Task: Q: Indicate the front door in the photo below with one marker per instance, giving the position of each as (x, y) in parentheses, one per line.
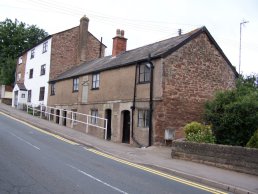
(57, 116)
(126, 127)
(64, 117)
(108, 117)
(15, 98)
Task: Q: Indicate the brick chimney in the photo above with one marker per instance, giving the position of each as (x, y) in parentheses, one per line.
(119, 43)
(83, 38)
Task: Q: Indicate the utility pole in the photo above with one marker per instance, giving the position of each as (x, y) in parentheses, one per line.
(241, 24)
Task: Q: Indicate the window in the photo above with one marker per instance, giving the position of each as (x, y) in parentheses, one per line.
(20, 60)
(75, 84)
(32, 53)
(144, 73)
(41, 93)
(22, 95)
(94, 114)
(52, 90)
(31, 74)
(143, 118)
(45, 44)
(95, 81)
(43, 69)
(29, 95)
(19, 76)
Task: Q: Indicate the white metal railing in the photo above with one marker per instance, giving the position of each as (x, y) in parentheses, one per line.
(75, 117)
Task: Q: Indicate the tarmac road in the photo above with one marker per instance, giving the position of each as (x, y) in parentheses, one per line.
(33, 161)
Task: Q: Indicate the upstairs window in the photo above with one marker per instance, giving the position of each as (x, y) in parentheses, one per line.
(94, 115)
(45, 44)
(143, 118)
(43, 69)
(41, 93)
(19, 76)
(95, 81)
(31, 74)
(144, 73)
(32, 53)
(20, 60)
(29, 95)
(75, 84)
(52, 90)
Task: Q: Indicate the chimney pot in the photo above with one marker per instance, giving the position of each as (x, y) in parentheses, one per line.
(118, 32)
(122, 33)
(119, 43)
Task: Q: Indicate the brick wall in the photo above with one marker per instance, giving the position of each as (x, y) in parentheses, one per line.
(191, 76)
(21, 68)
(65, 50)
(230, 157)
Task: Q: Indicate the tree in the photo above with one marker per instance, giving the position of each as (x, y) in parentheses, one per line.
(15, 37)
(233, 114)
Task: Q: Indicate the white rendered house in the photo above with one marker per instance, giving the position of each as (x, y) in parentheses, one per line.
(34, 89)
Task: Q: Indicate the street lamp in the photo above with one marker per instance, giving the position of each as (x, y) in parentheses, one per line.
(241, 24)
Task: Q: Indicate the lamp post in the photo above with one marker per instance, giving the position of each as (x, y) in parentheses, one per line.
(241, 24)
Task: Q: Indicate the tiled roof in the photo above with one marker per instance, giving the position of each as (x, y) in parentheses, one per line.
(155, 50)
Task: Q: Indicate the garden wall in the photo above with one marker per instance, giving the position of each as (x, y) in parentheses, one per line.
(230, 157)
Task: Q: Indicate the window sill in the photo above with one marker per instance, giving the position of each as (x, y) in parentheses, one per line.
(75, 91)
(94, 88)
(146, 82)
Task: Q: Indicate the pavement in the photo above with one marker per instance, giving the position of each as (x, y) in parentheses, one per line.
(158, 157)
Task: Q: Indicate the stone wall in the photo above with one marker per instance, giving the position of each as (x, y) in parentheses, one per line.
(20, 68)
(229, 157)
(191, 76)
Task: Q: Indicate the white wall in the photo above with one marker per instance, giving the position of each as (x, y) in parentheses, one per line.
(38, 80)
(20, 100)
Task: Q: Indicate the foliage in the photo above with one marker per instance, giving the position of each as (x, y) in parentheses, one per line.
(197, 132)
(253, 142)
(233, 114)
(15, 37)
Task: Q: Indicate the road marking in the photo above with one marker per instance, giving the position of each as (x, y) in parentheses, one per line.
(174, 178)
(41, 130)
(96, 179)
(24, 140)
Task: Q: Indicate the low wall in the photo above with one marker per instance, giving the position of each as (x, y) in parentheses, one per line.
(230, 157)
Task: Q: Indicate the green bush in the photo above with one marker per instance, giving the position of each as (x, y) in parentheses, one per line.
(253, 142)
(197, 132)
(233, 114)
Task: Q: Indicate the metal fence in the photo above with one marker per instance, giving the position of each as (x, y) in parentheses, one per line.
(62, 115)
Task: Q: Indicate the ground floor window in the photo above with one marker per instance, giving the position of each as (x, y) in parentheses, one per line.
(41, 93)
(29, 95)
(143, 118)
(94, 114)
(74, 116)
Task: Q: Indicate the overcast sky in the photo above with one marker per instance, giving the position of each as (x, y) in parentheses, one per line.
(149, 21)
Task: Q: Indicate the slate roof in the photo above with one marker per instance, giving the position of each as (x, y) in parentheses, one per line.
(155, 50)
(21, 86)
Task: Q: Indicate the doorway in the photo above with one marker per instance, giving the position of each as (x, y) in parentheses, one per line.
(108, 116)
(57, 116)
(64, 117)
(126, 126)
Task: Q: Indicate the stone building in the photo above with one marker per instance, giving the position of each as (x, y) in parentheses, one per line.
(49, 58)
(148, 92)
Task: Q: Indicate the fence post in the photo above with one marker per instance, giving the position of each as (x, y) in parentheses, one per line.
(27, 108)
(105, 128)
(49, 113)
(32, 110)
(87, 123)
(72, 118)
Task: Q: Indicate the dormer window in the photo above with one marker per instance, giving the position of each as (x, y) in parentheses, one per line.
(45, 44)
(32, 53)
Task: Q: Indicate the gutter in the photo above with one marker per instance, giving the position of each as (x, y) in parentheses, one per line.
(151, 100)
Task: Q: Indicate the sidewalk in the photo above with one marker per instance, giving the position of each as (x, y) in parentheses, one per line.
(154, 156)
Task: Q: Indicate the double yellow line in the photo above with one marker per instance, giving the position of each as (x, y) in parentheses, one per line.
(180, 180)
(196, 185)
(40, 130)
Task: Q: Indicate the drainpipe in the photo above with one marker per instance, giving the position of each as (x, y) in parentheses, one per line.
(151, 100)
(133, 108)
